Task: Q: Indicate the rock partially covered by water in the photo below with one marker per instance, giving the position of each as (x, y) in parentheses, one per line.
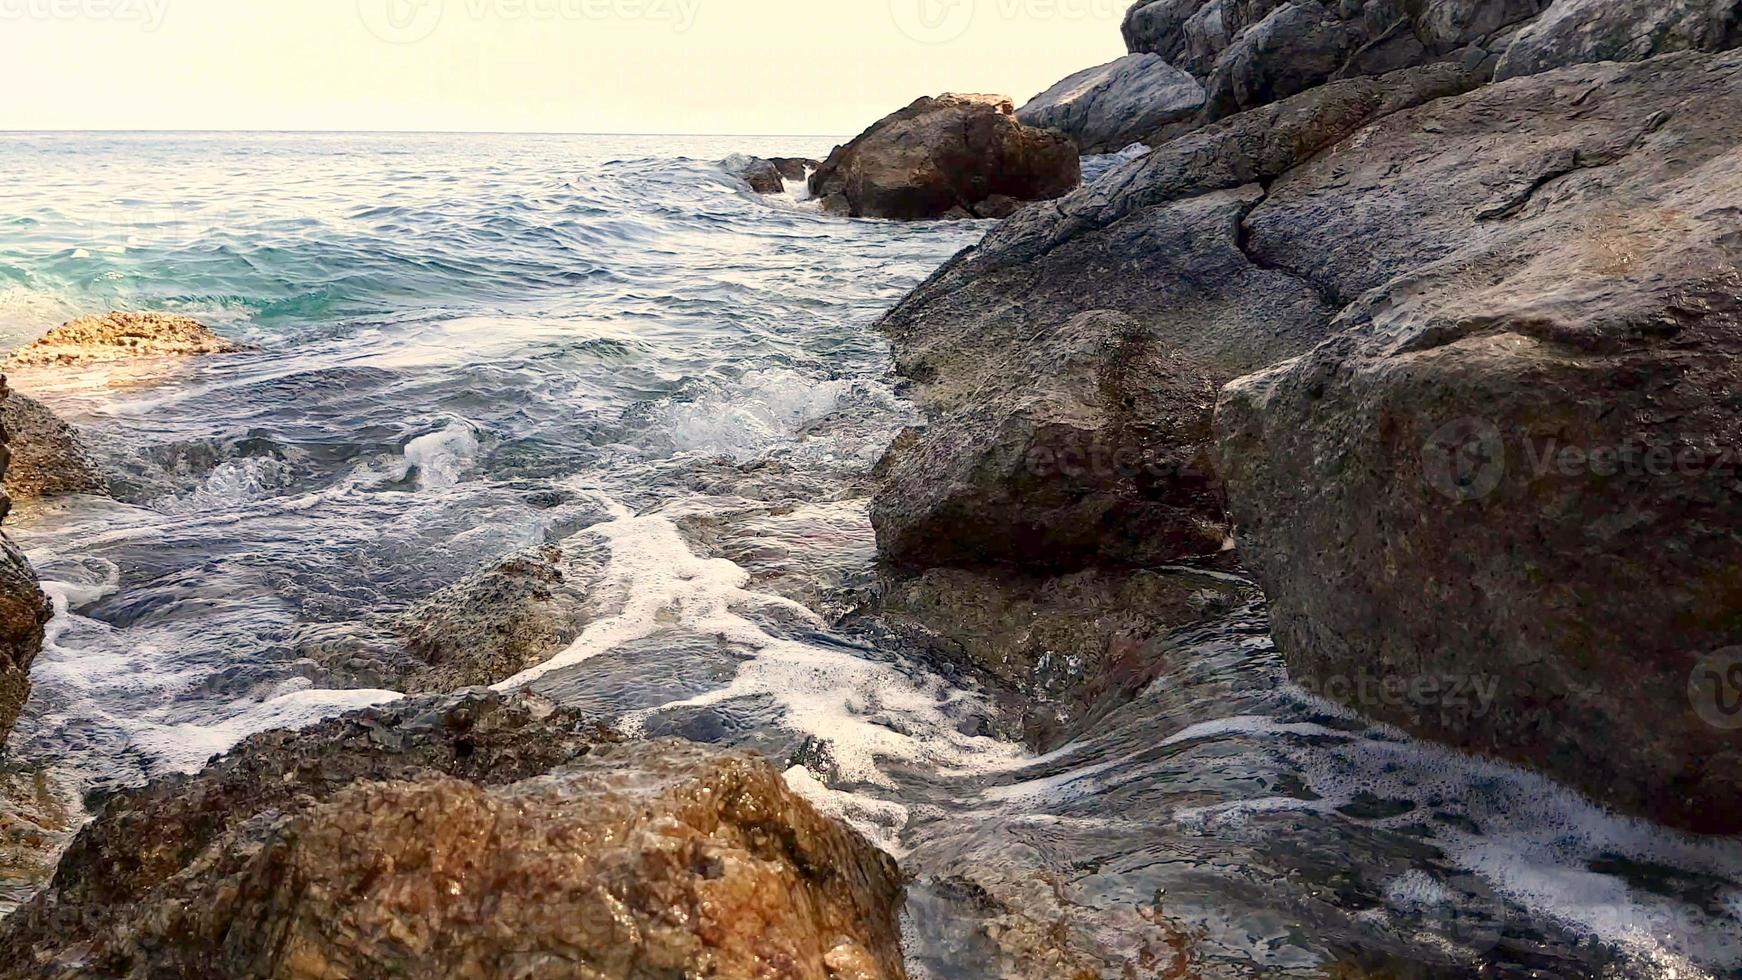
(762, 175)
(1090, 443)
(24, 610)
(960, 156)
(795, 168)
(1574, 32)
(477, 837)
(123, 335)
(49, 456)
(1063, 651)
(1515, 464)
(1109, 107)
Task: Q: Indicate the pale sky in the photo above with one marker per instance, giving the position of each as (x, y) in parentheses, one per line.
(823, 67)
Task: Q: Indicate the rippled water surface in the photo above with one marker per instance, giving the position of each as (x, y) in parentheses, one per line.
(468, 346)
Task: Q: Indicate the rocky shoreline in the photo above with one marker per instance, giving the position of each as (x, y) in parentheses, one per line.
(1369, 334)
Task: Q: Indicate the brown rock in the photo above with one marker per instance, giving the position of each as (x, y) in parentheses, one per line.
(24, 610)
(954, 152)
(1510, 465)
(49, 456)
(478, 837)
(123, 335)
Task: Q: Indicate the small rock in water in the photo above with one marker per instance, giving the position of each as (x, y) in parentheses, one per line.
(122, 335)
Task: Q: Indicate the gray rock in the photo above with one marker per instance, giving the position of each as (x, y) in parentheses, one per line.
(795, 168)
(955, 156)
(1574, 32)
(1509, 464)
(476, 837)
(49, 457)
(1107, 108)
(762, 175)
(1249, 53)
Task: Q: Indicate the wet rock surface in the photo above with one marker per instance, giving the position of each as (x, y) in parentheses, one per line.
(24, 610)
(1519, 424)
(954, 156)
(49, 456)
(473, 836)
(123, 335)
(481, 631)
(1064, 651)
(762, 175)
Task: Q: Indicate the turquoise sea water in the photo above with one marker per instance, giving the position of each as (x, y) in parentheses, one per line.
(468, 346)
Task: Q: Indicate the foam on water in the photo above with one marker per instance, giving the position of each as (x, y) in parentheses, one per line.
(188, 747)
(442, 458)
(760, 410)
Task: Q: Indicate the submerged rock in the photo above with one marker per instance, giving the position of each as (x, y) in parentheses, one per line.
(960, 156)
(481, 631)
(122, 335)
(1109, 107)
(49, 456)
(24, 610)
(1512, 463)
(1064, 650)
(482, 836)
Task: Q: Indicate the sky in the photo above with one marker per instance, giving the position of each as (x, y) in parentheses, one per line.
(822, 67)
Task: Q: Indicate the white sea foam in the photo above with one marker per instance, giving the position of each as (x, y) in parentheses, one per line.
(864, 711)
(232, 483)
(441, 458)
(760, 410)
(188, 747)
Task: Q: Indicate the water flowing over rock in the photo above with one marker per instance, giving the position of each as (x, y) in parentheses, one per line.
(49, 457)
(481, 631)
(124, 335)
(24, 610)
(958, 156)
(1510, 462)
(1109, 107)
(481, 836)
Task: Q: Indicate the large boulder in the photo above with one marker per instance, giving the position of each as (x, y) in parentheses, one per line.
(1094, 447)
(49, 456)
(1109, 107)
(1574, 32)
(482, 836)
(1060, 439)
(121, 336)
(762, 175)
(959, 156)
(1515, 461)
(24, 610)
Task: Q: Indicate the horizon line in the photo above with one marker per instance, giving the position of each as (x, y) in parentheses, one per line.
(411, 132)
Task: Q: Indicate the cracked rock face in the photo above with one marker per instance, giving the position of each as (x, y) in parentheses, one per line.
(955, 156)
(1109, 107)
(1521, 427)
(481, 836)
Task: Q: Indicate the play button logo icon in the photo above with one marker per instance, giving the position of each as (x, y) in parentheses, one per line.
(933, 21)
